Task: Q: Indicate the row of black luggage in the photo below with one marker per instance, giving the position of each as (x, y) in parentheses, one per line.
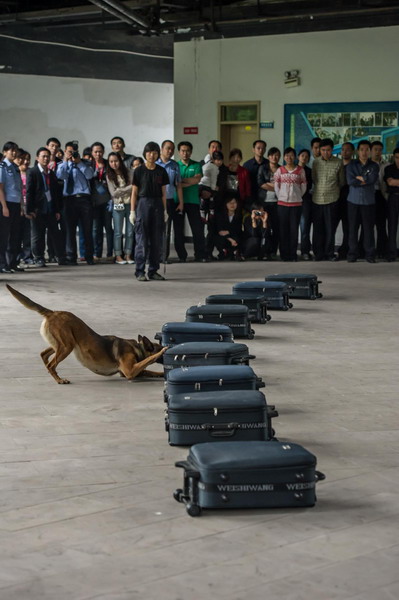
(213, 396)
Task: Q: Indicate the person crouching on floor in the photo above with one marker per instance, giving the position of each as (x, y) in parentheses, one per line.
(148, 212)
(228, 228)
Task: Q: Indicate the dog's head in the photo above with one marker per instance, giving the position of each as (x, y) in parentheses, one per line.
(150, 347)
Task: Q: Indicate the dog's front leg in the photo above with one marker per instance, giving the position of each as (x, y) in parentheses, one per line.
(132, 372)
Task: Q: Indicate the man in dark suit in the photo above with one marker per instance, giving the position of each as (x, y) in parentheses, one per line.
(43, 207)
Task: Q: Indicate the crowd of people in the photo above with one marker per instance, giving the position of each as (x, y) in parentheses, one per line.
(255, 210)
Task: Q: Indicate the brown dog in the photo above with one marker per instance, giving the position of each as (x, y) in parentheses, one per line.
(102, 354)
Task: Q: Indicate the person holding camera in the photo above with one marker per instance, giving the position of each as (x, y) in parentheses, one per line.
(257, 234)
(78, 206)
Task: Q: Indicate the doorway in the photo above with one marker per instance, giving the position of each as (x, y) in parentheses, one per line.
(238, 126)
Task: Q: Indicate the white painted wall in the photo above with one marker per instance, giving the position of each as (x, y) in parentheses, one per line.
(336, 66)
(34, 108)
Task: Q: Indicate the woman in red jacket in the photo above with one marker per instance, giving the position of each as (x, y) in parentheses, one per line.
(237, 178)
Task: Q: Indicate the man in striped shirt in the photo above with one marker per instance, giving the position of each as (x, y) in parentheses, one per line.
(328, 177)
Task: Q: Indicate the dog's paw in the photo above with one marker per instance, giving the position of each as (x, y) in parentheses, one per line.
(62, 381)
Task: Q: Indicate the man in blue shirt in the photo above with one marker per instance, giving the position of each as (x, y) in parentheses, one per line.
(253, 164)
(78, 207)
(175, 211)
(11, 209)
(361, 175)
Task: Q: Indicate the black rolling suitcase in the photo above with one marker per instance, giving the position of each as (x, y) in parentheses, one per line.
(211, 379)
(241, 415)
(257, 305)
(178, 333)
(203, 354)
(276, 293)
(303, 285)
(234, 316)
(248, 475)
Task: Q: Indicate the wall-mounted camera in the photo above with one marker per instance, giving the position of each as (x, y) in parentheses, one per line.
(291, 78)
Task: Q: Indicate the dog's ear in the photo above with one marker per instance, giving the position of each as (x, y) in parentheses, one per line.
(148, 345)
(140, 338)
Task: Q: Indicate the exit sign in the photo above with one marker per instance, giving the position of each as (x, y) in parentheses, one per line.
(190, 130)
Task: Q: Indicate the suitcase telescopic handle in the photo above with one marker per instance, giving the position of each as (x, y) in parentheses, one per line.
(221, 429)
(184, 464)
(319, 476)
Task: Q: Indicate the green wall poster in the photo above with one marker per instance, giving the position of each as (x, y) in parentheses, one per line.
(342, 122)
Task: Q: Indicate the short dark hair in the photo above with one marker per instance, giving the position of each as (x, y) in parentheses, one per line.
(10, 146)
(53, 139)
(69, 144)
(326, 142)
(117, 137)
(273, 150)
(396, 151)
(314, 141)
(42, 149)
(21, 152)
(234, 151)
(141, 161)
(349, 144)
(189, 144)
(259, 142)
(97, 144)
(377, 143)
(304, 150)
(363, 143)
(86, 151)
(288, 150)
(151, 147)
(215, 142)
(166, 142)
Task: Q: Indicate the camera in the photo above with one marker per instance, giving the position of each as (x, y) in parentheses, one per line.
(258, 213)
(75, 147)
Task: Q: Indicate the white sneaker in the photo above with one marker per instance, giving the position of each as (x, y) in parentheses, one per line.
(120, 262)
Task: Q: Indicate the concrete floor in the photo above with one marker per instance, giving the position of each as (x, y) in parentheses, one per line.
(87, 476)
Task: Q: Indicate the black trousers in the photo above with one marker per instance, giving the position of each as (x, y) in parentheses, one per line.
(78, 208)
(393, 216)
(175, 219)
(305, 224)
(364, 216)
(39, 226)
(273, 224)
(24, 244)
(381, 217)
(62, 231)
(289, 217)
(10, 236)
(149, 229)
(102, 220)
(342, 215)
(324, 220)
(197, 227)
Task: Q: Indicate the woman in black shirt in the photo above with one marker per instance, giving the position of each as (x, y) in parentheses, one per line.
(148, 212)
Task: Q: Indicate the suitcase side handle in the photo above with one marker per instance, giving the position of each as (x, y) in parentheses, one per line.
(221, 429)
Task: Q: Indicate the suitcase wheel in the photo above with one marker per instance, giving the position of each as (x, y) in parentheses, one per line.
(290, 305)
(319, 295)
(263, 321)
(268, 318)
(193, 509)
(313, 297)
(178, 495)
(287, 307)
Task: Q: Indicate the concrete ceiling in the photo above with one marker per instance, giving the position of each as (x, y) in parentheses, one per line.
(185, 19)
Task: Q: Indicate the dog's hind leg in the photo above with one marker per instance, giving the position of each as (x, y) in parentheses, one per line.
(45, 355)
(61, 352)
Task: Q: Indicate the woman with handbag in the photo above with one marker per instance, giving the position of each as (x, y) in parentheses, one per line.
(119, 180)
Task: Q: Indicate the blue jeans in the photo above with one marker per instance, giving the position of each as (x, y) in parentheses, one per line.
(119, 217)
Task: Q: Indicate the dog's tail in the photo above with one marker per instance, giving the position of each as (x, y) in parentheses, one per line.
(28, 303)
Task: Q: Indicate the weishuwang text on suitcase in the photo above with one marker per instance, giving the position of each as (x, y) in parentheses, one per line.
(257, 305)
(235, 316)
(276, 293)
(303, 285)
(179, 332)
(197, 354)
(258, 474)
(241, 415)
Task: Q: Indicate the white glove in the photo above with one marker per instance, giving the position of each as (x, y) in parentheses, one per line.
(165, 216)
(132, 217)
